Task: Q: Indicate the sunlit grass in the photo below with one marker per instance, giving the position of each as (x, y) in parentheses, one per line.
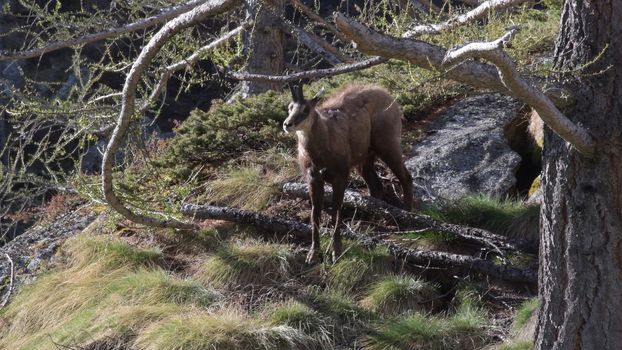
(464, 329)
(397, 294)
(507, 217)
(248, 263)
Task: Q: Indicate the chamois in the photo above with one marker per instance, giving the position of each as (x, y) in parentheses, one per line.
(349, 129)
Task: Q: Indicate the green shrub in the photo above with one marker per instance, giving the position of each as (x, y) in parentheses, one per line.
(226, 131)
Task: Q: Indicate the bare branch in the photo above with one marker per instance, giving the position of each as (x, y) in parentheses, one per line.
(5, 300)
(132, 27)
(430, 57)
(312, 74)
(479, 12)
(188, 62)
(317, 44)
(318, 19)
(556, 120)
(194, 16)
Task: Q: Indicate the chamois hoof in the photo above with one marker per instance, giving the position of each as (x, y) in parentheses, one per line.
(313, 257)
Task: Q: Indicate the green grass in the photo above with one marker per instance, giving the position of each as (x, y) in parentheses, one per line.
(302, 317)
(358, 267)
(201, 330)
(107, 289)
(517, 345)
(465, 329)
(248, 263)
(524, 312)
(396, 294)
(506, 217)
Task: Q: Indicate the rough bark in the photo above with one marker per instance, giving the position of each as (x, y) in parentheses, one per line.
(300, 230)
(580, 282)
(408, 221)
(264, 45)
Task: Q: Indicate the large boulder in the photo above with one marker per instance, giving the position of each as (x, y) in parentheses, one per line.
(466, 151)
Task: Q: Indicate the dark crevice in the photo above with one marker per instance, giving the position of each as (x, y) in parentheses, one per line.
(522, 142)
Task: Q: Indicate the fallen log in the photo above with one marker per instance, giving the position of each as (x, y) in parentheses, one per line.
(421, 258)
(406, 220)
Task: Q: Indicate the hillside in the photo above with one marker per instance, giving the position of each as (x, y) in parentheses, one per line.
(83, 277)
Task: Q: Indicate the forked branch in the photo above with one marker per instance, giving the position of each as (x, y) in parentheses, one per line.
(519, 87)
(149, 51)
(188, 62)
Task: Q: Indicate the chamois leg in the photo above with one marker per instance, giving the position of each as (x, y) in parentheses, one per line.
(371, 178)
(395, 163)
(316, 185)
(339, 188)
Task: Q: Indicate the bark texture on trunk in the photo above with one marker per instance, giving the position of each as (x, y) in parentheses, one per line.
(580, 283)
(264, 44)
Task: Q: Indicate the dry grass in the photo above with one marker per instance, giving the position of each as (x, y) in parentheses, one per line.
(396, 294)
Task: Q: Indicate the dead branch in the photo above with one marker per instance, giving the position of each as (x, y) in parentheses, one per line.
(477, 13)
(317, 44)
(5, 299)
(407, 220)
(425, 258)
(187, 63)
(319, 20)
(164, 16)
(149, 51)
(519, 87)
(311, 74)
(279, 226)
(430, 57)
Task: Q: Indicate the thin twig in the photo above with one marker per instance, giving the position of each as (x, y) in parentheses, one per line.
(132, 27)
(311, 74)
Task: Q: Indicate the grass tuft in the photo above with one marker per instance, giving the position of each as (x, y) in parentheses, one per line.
(524, 313)
(396, 294)
(248, 263)
(112, 252)
(517, 345)
(506, 217)
(300, 316)
(113, 292)
(201, 330)
(358, 267)
(465, 329)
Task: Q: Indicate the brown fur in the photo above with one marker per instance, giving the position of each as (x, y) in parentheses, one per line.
(349, 129)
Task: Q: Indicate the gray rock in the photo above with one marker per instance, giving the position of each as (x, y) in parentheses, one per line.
(466, 151)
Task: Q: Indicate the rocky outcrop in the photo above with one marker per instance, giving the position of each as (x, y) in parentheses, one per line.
(33, 249)
(466, 151)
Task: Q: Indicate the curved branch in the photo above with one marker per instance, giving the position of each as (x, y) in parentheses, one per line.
(311, 74)
(430, 57)
(556, 120)
(479, 12)
(132, 27)
(188, 62)
(145, 57)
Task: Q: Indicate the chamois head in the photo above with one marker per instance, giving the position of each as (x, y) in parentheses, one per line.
(300, 110)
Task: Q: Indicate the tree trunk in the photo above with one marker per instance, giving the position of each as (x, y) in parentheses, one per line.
(264, 45)
(580, 281)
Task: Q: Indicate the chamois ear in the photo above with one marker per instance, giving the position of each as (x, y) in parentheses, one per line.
(318, 96)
